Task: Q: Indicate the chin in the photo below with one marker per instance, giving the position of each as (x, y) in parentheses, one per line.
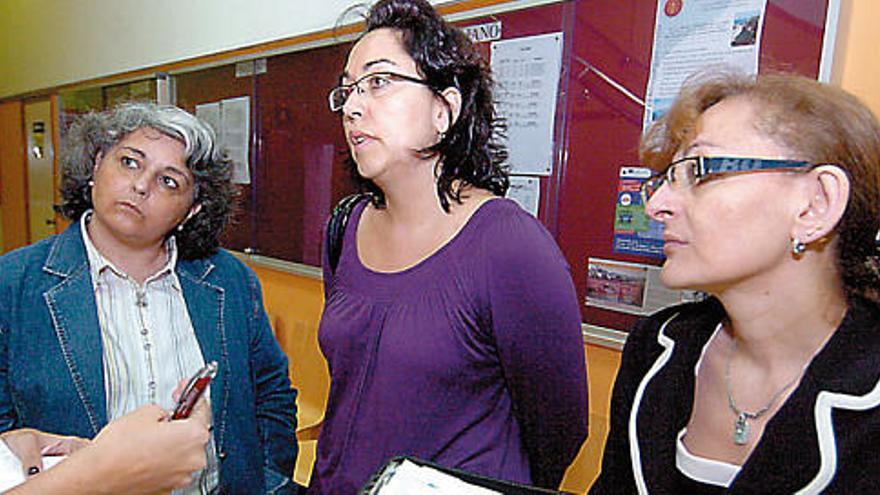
(366, 169)
(675, 279)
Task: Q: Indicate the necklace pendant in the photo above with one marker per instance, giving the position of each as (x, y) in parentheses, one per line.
(741, 430)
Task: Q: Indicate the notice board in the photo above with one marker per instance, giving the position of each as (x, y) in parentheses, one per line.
(297, 146)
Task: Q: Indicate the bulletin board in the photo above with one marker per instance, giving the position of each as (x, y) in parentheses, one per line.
(298, 147)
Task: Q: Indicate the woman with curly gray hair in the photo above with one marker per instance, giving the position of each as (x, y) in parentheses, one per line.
(99, 132)
(135, 296)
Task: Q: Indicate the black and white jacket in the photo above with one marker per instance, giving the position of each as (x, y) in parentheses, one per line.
(825, 438)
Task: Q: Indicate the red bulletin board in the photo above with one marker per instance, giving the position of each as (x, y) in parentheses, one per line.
(598, 128)
(298, 147)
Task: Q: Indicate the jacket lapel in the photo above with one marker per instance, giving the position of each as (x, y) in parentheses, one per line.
(205, 302)
(75, 320)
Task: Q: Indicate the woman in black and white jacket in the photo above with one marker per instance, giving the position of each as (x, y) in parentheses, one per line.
(771, 205)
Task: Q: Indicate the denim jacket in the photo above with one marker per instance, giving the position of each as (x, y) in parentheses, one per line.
(51, 367)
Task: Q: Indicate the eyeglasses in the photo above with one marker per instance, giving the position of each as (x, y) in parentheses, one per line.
(376, 83)
(687, 171)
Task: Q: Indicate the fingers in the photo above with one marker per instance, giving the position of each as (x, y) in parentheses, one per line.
(202, 413)
(140, 453)
(189, 437)
(61, 445)
(179, 389)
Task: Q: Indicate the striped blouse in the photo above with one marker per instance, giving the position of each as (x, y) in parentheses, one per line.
(149, 344)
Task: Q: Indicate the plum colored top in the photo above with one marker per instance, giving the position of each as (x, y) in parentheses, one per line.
(473, 358)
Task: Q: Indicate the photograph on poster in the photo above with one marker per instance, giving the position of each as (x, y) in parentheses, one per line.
(616, 285)
(745, 29)
(632, 288)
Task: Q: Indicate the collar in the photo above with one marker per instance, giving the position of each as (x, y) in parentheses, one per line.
(99, 264)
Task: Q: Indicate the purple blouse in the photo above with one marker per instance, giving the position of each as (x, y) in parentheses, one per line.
(472, 358)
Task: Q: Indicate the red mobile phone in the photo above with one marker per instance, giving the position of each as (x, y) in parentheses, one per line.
(194, 390)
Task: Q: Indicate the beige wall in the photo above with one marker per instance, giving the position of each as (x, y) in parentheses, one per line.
(63, 41)
(856, 60)
(85, 39)
(58, 42)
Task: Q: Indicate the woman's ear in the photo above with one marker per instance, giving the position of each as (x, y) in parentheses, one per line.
(827, 191)
(193, 211)
(98, 157)
(447, 114)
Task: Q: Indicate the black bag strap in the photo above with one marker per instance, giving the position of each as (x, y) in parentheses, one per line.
(336, 227)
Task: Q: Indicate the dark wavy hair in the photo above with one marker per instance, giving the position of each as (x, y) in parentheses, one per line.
(818, 122)
(470, 152)
(99, 132)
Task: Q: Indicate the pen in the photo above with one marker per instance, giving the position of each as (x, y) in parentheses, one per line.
(194, 390)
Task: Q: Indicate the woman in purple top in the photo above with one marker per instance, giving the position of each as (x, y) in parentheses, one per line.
(451, 325)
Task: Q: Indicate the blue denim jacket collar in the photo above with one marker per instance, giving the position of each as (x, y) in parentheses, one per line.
(69, 307)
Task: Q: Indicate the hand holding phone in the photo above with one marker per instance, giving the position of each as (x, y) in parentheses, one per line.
(194, 390)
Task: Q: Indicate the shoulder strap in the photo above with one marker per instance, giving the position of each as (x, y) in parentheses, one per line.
(335, 232)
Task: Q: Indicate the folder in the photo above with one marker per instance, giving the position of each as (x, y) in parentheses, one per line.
(407, 475)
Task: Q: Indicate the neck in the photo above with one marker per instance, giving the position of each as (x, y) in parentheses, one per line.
(411, 198)
(787, 324)
(137, 261)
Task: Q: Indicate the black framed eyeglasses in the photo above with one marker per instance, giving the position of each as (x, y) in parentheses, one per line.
(686, 172)
(372, 85)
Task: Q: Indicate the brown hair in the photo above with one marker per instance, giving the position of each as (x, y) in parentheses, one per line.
(820, 124)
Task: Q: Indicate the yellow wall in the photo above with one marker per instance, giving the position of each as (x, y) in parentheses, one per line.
(602, 365)
(13, 179)
(856, 65)
(294, 306)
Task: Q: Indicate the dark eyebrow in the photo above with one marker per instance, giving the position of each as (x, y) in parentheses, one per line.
(167, 168)
(170, 169)
(367, 66)
(379, 61)
(135, 151)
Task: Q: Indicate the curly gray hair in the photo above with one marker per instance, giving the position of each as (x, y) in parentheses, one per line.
(98, 132)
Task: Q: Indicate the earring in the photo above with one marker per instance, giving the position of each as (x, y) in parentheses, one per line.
(91, 183)
(797, 247)
(180, 227)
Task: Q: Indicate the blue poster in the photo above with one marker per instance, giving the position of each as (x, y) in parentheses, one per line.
(635, 232)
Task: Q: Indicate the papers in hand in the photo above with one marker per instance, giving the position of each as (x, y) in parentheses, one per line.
(11, 472)
(408, 478)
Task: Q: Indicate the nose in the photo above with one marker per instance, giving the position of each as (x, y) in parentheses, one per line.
(141, 184)
(660, 206)
(354, 105)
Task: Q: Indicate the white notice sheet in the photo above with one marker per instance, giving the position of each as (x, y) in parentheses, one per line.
(526, 72)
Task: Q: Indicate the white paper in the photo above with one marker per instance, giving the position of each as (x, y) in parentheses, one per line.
(230, 120)
(11, 472)
(210, 113)
(409, 479)
(526, 72)
(695, 34)
(526, 191)
(235, 117)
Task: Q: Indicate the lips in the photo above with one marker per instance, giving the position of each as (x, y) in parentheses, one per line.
(671, 241)
(359, 138)
(130, 207)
